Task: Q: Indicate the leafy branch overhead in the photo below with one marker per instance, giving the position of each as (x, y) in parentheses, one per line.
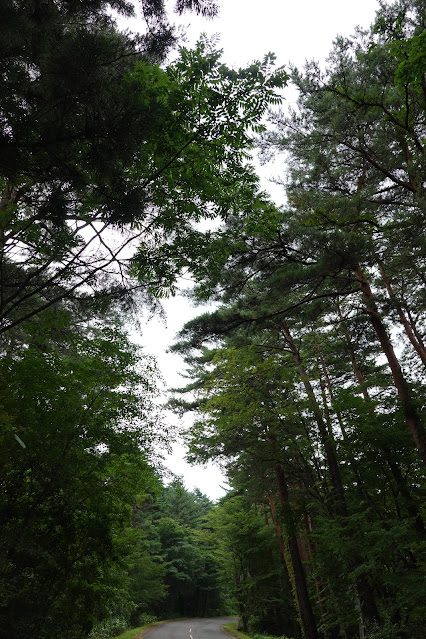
(118, 142)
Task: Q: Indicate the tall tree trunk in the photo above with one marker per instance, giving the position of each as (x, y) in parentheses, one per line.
(278, 530)
(364, 590)
(418, 335)
(307, 618)
(326, 438)
(368, 603)
(401, 483)
(277, 607)
(357, 371)
(407, 404)
(322, 366)
(410, 330)
(353, 464)
(311, 562)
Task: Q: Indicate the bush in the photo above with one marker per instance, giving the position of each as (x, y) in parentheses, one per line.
(108, 628)
(144, 619)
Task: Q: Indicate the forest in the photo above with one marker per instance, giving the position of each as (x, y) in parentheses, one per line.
(124, 167)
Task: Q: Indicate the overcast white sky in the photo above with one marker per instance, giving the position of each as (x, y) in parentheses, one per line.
(295, 31)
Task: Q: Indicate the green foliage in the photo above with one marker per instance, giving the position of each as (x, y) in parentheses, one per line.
(295, 379)
(108, 628)
(186, 508)
(172, 524)
(146, 619)
(218, 108)
(115, 142)
(250, 567)
(81, 402)
(110, 160)
(131, 634)
(80, 517)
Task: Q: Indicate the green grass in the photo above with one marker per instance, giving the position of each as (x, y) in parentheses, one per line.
(232, 629)
(130, 634)
(134, 632)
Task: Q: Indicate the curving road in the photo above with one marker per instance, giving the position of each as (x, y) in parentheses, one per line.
(191, 629)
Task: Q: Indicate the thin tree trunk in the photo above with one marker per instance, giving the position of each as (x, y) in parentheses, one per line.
(407, 404)
(403, 489)
(418, 335)
(325, 405)
(326, 438)
(310, 561)
(400, 481)
(279, 534)
(308, 622)
(419, 273)
(363, 587)
(418, 347)
(329, 387)
(357, 371)
(353, 463)
(361, 629)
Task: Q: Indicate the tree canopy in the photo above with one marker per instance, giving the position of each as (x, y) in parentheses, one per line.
(109, 158)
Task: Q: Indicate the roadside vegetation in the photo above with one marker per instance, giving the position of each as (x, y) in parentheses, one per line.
(232, 628)
(135, 633)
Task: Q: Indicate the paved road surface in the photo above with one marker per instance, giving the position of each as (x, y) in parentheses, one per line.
(191, 629)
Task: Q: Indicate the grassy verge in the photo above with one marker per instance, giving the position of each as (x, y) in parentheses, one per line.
(138, 633)
(231, 629)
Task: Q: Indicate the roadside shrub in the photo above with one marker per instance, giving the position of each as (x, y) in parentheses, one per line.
(144, 619)
(108, 628)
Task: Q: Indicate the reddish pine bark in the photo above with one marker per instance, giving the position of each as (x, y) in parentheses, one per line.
(326, 438)
(304, 603)
(400, 480)
(407, 404)
(409, 330)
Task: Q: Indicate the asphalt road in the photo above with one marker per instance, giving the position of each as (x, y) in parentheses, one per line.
(191, 629)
